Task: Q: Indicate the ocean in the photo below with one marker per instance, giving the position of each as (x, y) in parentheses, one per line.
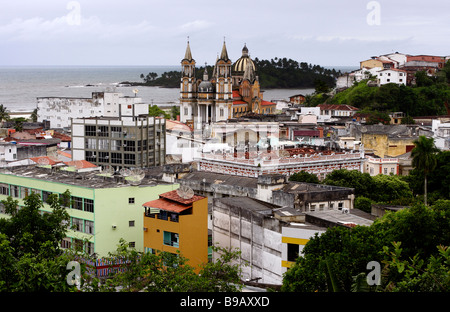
(21, 85)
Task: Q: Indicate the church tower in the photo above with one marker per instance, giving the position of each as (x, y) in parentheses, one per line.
(188, 87)
(223, 81)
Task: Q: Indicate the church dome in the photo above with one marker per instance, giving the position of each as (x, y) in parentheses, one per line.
(241, 64)
(205, 85)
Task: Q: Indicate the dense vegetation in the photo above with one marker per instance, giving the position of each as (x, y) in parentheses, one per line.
(408, 245)
(32, 261)
(411, 245)
(288, 73)
(429, 96)
(274, 73)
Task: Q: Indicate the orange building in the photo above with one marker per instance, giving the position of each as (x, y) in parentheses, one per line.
(178, 221)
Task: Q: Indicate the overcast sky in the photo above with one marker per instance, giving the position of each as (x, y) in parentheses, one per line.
(154, 32)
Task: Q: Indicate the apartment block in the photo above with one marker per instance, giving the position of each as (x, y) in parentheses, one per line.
(59, 111)
(120, 142)
(104, 208)
(178, 223)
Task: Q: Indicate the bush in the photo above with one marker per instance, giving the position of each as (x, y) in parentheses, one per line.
(363, 203)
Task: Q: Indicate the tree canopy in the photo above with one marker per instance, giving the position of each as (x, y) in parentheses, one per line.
(343, 253)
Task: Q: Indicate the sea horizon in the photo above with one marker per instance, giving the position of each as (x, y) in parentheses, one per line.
(20, 85)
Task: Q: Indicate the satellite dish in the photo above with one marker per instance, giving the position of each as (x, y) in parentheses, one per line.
(125, 172)
(185, 192)
(43, 161)
(135, 176)
(78, 164)
(107, 171)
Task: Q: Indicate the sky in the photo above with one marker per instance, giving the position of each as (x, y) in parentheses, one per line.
(155, 32)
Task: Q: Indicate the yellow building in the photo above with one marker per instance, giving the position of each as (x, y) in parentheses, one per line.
(178, 223)
(372, 63)
(384, 145)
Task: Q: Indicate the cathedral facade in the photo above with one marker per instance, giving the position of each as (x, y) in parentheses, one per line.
(232, 90)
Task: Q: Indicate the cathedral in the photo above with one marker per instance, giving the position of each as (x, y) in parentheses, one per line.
(231, 90)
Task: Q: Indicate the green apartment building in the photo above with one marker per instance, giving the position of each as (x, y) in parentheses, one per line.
(104, 208)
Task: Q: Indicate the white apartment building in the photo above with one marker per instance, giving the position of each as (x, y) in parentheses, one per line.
(391, 75)
(61, 110)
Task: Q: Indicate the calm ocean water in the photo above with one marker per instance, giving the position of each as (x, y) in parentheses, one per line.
(21, 85)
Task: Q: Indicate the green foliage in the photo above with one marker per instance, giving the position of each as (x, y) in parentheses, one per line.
(421, 100)
(339, 256)
(29, 246)
(167, 272)
(424, 158)
(363, 203)
(361, 182)
(155, 111)
(346, 250)
(304, 176)
(417, 274)
(4, 113)
(288, 73)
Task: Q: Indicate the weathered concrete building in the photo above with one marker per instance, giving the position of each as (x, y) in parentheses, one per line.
(271, 237)
(251, 226)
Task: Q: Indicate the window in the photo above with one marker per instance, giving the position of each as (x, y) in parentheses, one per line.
(89, 130)
(171, 239)
(88, 227)
(77, 203)
(293, 251)
(4, 189)
(45, 196)
(66, 243)
(131, 200)
(116, 158)
(15, 191)
(88, 205)
(77, 224)
(186, 111)
(89, 248)
(129, 159)
(131, 223)
(132, 244)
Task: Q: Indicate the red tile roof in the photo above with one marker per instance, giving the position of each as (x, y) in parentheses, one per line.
(173, 196)
(267, 103)
(239, 102)
(166, 205)
(45, 160)
(80, 164)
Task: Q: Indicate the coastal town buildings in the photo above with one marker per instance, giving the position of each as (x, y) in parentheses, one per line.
(59, 111)
(177, 222)
(395, 67)
(103, 209)
(231, 90)
(120, 142)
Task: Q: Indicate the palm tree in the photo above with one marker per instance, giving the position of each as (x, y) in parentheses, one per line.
(424, 158)
(4, 114)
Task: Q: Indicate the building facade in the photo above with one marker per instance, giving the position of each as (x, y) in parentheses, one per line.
(103, 209)
(60, 110)
(120, 143)
(174, 223)
(231, 90)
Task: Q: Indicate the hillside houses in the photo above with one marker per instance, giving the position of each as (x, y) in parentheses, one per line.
(396, 68)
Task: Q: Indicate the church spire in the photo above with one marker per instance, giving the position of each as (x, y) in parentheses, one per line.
(224, 54)
(188, 54)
